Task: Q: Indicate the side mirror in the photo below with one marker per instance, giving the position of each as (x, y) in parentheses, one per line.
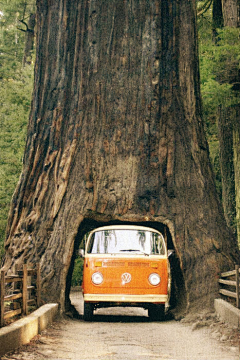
(81, 253)
(170, 252)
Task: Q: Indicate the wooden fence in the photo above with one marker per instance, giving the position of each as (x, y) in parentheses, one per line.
(232, 282)
(19, 292)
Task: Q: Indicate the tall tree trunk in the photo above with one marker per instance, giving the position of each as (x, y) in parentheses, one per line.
(115, 134)
(236, 160)
(225, 135)
(217, 14)
(217, 19)
(29, 40)
(228, 128)
(231, 13)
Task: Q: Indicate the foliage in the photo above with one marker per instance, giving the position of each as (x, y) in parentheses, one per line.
(15, 95)
(12, 35)
(219, 68)
(15, 98)
(77, 272)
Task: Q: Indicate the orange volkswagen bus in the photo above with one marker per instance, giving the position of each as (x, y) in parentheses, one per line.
(125, 265)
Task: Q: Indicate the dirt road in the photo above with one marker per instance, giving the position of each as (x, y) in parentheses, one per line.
(114, 335)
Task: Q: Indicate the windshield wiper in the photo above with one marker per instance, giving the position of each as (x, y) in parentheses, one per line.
(134, 250)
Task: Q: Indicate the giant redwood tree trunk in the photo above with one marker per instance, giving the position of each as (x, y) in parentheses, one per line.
(115, 135)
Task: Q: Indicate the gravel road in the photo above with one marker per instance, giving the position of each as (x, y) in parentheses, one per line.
(126, 334)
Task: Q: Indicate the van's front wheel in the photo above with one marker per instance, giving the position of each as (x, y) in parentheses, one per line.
(156, 312)
(88, 312)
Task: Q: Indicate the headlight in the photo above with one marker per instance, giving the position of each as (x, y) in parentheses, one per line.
(154, 279)
(97, 278)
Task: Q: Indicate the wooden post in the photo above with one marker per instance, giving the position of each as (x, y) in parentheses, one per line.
(2, 294)
(237, 286)
(38, 286)
(24, 290)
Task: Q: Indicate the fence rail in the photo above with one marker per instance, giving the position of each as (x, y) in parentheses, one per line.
(18, 292)
(232, 284)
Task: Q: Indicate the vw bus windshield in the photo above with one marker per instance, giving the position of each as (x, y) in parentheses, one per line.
(120, 241)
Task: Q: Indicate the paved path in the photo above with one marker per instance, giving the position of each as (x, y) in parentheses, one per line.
(114, 335)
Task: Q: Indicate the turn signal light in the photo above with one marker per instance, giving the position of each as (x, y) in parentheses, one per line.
(98, 264)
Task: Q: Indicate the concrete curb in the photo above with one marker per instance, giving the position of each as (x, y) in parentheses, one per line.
(22, 331)
(227, 312)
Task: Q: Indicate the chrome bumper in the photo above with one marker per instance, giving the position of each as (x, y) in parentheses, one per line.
(125, 298)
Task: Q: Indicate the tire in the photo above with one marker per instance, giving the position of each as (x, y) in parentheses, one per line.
(156, 312)
(88, 312)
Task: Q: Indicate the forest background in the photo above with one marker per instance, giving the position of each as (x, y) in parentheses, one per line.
(219, 58)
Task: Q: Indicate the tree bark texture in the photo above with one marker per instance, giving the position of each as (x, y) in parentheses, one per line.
(115, 135)
(236, 161)
(29, 40)
(227, 117)
(217, 15)
(231, 13)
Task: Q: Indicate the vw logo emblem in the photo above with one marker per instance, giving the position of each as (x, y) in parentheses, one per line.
(126, 278)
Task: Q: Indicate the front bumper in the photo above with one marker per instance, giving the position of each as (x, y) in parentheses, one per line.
(122, 298)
